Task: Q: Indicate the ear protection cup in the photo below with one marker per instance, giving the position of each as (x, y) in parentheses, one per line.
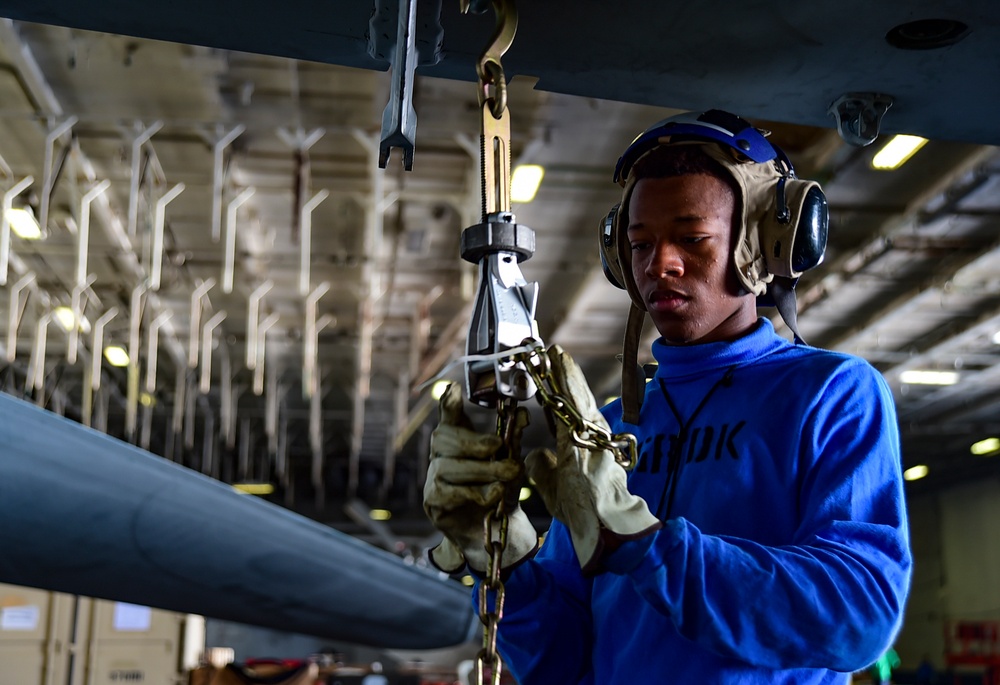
(609, 248)
(809, 247)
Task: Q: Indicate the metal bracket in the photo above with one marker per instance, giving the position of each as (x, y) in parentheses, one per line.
(859, 116)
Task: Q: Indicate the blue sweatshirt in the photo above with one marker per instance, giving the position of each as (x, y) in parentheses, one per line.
(784, 556)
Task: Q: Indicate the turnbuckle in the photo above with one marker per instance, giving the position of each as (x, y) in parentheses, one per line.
(504, 312)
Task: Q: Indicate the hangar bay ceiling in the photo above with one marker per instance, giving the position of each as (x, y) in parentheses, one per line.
(221, 216)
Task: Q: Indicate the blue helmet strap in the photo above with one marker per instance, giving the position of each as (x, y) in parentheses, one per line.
(781, 291)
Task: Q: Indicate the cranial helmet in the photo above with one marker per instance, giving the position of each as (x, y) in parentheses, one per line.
(782, 221)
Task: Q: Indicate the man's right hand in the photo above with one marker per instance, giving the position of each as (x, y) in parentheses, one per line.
(464, 484)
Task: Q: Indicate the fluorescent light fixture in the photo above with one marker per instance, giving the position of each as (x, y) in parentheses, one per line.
(380, 514)
(915, 472)
(987, 446)
(525, 181)
(254, 488)
(925, 377)
(437, 390)
(897, 151)
(525, 494)
(24, 224)
(116, 355)
(996, 338)
(468, 581)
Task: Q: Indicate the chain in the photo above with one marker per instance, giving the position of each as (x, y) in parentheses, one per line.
(584, 432)
(495, 525)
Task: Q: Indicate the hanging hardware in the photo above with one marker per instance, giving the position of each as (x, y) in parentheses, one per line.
(504, 311)
(399, 119)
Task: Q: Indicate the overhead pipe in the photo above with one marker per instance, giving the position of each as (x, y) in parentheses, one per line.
(189, 416)
(271, 410)
(243, 465)
(153, 348)
(209, 464)
(15, 312)
(75, 305)
(218, 177)
(132, 389)
(196, 306)
(92, 384)
(258, 371)
(133, 195)
(207, 332)
(174, 435)
(8, 204)
(159, 221)
(143, 530)
(48, 172)
(35, 379)
(316, 442)
(83, 232)
(253, 320)
(311, 342)
(226, 399)
(305, 240)
(229, 260)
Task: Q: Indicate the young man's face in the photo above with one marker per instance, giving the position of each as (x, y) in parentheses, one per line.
(680, 232)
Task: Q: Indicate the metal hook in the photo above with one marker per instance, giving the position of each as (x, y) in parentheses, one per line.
(488, 67)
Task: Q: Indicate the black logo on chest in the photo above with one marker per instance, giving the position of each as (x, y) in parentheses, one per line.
(706, 442)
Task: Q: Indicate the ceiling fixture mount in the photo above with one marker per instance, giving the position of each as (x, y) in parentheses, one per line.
(927, 34)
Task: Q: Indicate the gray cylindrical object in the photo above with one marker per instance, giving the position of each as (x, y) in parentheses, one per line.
(84, 513)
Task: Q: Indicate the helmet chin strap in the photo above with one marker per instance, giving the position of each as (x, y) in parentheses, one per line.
(633, 377)
(781, 291)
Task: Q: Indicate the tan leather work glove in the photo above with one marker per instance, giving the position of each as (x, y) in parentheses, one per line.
(586, 489)
(463, 485)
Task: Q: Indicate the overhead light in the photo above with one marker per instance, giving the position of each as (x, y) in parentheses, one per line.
(437, 390)
(996, 338)
(116, 355)
(254, 488)
(984, 447)
(380, 514)
(915, 472)
(525, 181)
(897, 151)
(925, 377)
(147, 400)
(65, 317)
(525, 494)
(23, 223)
(468, 581)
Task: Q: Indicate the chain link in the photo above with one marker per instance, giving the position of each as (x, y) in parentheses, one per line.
(584, 432)
(495, 525)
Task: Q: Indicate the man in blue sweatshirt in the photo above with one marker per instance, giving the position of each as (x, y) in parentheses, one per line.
(762, 537)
